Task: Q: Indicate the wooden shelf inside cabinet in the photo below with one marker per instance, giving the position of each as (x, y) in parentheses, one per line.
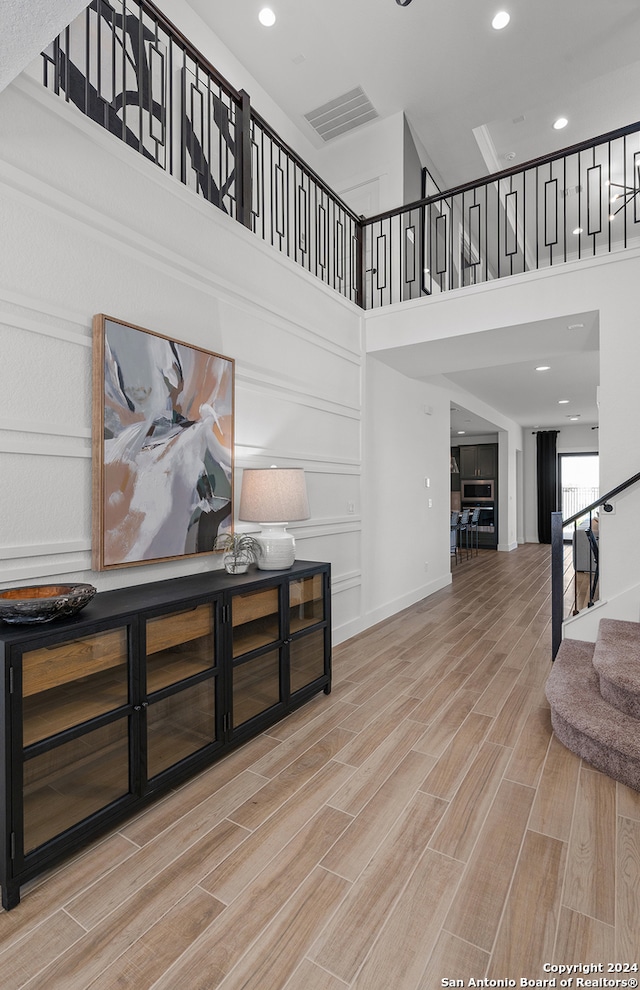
(179, 645)
(143, 688)
(69, 683)
(255, 620)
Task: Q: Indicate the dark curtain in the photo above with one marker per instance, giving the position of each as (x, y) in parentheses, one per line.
(547, 463)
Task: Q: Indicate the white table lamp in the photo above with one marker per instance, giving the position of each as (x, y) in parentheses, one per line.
(274, 497)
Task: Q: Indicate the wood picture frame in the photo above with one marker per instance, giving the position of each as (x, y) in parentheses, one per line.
(162, 446)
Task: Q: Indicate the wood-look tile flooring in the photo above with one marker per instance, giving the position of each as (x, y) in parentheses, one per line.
(420, 823)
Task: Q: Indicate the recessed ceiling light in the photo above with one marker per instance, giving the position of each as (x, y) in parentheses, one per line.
(575, 326)
(501, 20)
(461, 433)
(267, 17)
(573, 417)
(562, 402)
(543, 367)
(560, 123)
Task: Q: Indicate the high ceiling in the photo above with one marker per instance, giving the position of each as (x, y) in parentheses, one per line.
(456, 78)
(478, 100)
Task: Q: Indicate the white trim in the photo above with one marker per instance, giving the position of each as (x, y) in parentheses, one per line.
(467, 291)
(45, 428)
(33, 90)
(319, 464)
(44, 549)
(13, 321)
(73, 565)
(405, 601)
(42, 448)
(64, 209)
(290, 393)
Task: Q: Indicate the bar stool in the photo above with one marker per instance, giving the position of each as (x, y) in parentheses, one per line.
(473, 526)
(453, 544)
(463, 527)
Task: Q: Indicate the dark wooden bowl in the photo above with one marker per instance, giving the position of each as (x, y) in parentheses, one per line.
(44, 602)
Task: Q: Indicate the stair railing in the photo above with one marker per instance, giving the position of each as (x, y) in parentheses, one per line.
(128, 68)
(590, 590)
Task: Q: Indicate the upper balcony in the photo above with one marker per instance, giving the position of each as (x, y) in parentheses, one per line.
(127, 68)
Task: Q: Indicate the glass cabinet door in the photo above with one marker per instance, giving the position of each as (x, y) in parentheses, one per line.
(180, 714)
(70, 683)
(307, 652)
(180, 724)
(256, 686)
(255, 624)
(306, 602)
(306, 660)
(66, 686)
(178, 646)
(255, 620)
(66, 784)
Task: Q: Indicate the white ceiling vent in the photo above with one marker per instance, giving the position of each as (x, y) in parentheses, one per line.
(342, 114)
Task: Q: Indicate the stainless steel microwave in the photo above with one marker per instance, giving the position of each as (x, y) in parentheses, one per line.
(476, 489)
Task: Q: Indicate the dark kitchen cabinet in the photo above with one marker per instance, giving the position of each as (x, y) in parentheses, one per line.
(478, 461)
(455, 469)
(144, 687)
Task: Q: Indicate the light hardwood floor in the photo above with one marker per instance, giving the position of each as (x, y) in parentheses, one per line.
(420, 823)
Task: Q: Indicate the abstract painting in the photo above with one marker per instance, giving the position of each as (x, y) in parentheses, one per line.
(162, 446)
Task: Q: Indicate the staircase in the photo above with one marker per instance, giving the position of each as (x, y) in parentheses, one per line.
(594, 693)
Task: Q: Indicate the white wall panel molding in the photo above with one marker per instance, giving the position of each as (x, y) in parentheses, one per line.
(345, 582)
(43, 448)
(44, 550)
(14, 321)
(150, 251)
(313, 465)
(48, 309)
(266, 383)
(70, 212)
(45, 428)
(285, 323)
(72, 565)
(325, 528)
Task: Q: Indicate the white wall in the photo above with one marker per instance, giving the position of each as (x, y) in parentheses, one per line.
(365, 166)
(406, 524)
(88, 226)
(608, 285)
(91, 227)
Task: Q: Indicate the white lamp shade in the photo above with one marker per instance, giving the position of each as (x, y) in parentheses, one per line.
(273, 495)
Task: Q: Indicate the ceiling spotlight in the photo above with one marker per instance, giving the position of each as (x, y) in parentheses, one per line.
(562, 402)
(501, 20)
(560, 123)
(461, 433)
(267, 17)
(543, 367)
(574, 418)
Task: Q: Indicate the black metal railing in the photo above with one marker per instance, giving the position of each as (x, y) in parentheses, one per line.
(584, 559)
(122, 63)
(581, 202)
